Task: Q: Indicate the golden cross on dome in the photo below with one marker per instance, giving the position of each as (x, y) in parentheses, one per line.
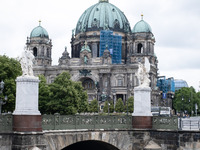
(142, 16)
(40, 22)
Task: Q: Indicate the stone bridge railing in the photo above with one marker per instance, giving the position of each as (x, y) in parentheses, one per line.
(60, 122)
(67, 122)
(169, 123)
(6, 123)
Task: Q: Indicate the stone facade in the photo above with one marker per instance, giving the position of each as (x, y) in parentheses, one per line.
(105, 78)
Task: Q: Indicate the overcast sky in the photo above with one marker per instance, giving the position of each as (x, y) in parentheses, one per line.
(175, 25)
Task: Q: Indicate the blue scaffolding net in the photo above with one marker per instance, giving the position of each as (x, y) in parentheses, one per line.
(166, 85)
(113, 43)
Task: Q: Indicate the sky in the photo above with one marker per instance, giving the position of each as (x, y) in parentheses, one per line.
(175, 25)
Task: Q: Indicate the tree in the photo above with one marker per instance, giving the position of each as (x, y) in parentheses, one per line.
(108, 107)
(10, 69)
(83, 104)
(93, 107)
(119, 107)
(66, 96)
(185, 100)
(130, 102)
(43, 94)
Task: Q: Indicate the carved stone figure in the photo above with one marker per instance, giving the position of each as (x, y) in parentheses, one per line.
(143, 73)
(85, 60)
(26, 62)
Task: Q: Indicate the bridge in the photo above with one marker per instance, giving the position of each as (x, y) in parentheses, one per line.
(99, 132)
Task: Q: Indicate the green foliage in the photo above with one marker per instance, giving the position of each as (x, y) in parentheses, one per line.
(185, 99)
(110, 107)
(43, 94)
(65, 97)
(10, 69)
(119, 107)
(93, 107)
(130, 102)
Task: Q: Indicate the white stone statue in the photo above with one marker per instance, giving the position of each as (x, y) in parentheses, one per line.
(26, 62)
(143, 73)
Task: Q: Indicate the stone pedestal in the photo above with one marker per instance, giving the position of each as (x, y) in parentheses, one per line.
(26, 117)
(142, 116)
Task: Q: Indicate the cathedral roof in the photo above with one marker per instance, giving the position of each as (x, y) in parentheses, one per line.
(141, 26)
(101, 16)
(39, 31)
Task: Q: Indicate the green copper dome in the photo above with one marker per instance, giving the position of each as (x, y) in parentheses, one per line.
(39, 31)
(102, 16)
(142, 26)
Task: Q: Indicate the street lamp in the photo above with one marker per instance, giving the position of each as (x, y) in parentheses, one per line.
(2, 101)
(114, 98)
(127, 106)
(196, 107)
(108, 108)
(183, 105)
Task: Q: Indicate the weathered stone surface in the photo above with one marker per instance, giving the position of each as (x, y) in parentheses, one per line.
(5, 141)
(118, 139)
(24, 141)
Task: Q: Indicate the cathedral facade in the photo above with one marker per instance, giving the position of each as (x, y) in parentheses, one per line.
(102, 78)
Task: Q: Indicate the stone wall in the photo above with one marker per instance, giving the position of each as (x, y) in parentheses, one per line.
(119, 139)
(5, 141)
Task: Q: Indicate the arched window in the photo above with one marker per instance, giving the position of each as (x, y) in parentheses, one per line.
(120, 82)
(48, 53)
(116, 24)
(35, 51)
(88, 84)
(140, 48)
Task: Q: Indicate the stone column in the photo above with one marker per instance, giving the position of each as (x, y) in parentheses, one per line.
(26, 117)
(101, 82)
(124, 98)
(142, 116)
(94, 50)
(109, 84)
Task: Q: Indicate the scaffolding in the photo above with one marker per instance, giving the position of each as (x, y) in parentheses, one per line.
(166, 85)
(113, 43)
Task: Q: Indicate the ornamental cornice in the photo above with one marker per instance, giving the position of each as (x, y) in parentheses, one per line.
(27, 79)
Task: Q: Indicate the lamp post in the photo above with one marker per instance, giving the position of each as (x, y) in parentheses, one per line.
(196, 108)
(2, 101)
(114, 98)
(108, 108)
(183, 105)
(127, 106)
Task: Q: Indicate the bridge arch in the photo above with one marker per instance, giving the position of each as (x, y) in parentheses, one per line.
(118, 140)
(91, 145)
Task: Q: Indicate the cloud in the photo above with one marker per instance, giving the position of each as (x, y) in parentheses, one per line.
(175, 24)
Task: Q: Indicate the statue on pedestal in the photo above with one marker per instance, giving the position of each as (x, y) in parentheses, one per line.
(26, 62)
(143, 73)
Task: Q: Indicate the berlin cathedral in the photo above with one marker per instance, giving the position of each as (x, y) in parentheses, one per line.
(105, 53)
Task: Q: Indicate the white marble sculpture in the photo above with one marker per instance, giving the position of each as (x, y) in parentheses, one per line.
(26, 62)
(27, 87)
(142, 93)
(143, 73)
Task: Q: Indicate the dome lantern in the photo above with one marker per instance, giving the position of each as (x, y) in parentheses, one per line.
(100, 1)
(142, 26)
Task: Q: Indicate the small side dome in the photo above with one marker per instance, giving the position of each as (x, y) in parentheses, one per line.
(39, 31)
(142, 26)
